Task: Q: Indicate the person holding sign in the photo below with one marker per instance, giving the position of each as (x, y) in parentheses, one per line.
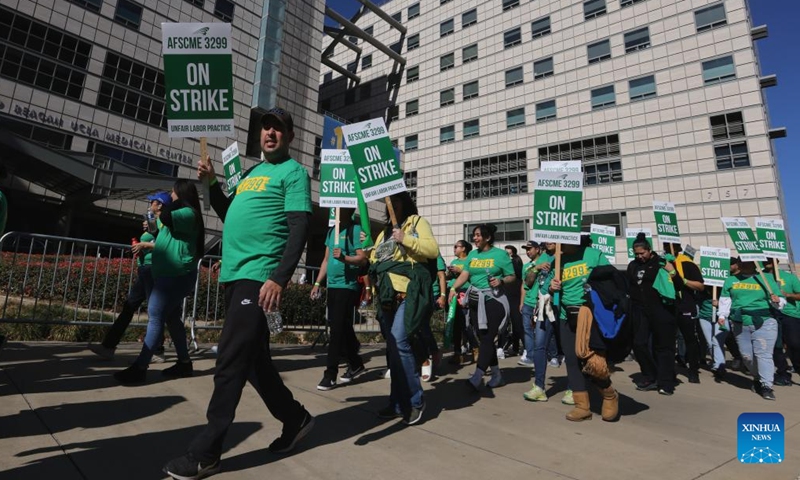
(266, 223)
(403, 268)
(488, 270)
(790, 320)
(688, 283)
(783, 377)
(653, 317)
(750, 301)
(343, 259)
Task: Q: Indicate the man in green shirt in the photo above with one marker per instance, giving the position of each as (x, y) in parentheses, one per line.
(789, 322)
(266, 223)
(340, 267)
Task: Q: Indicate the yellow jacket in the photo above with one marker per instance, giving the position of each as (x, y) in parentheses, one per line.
(419, 248)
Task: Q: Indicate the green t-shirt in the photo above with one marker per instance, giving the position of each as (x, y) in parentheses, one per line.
(495, 260)
(341, 275)
(459, 264)
(790, 284)
(3, 212)
(256, 230)
(706, 310)
(440, 267)
(749, 301)
(575, 270)
(175, 249)
(147, 258)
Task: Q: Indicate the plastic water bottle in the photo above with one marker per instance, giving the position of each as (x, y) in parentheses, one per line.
(274, 322)
(495, 290)
(152, 227)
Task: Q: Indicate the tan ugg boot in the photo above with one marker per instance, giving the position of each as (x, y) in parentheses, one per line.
(610, 410)
(581, 411)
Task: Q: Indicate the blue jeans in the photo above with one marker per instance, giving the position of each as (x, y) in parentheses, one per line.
(717, 343)
(758, 343)
(166, 297)
(527, 329)
(542, 334)
(406, 388)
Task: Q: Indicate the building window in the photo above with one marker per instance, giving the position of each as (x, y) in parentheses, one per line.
(368, 30)
(470, 90)
(398, 17)
(593, 8)
(515, 118)
(496, 176)
(512, 37)
(447, 134)
(710, 17)
(628, 3)
(514, 77)
(447, 97)
(600, 157)
(353, 39)
(413, 11)
(42, 136)
(133, 89)
(134, 160)
(412, 142)
(223, 9)
(545, 111)
(442, 2)
(447, 27)
(38, 72)
(509, 4)
(611, 219)
(718, 70)
(597, 52)
(412, 42)
(540, 27)
(397, 47)
(469, 17)
(603, 97)
(727, 126)
(637, 40)
(128, 14)
(352, 67)
(410, 178)
(92, 5)
(327, 77)
(447, 62)
(412, 74)
(472, 128)
(469, 53)
(366, 61)
(330, 53)
(641, 88)
(543, 68)
(394, 112)
(731, 155)
(412, 108)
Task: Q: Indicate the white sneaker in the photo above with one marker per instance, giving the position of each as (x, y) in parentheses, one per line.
(554, 362)
(387, 374)
(524, 356)
(501, 355)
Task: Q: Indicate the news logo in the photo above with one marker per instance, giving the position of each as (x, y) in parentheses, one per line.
(760, 438)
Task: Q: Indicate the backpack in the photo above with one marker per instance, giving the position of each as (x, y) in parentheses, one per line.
(608, 298)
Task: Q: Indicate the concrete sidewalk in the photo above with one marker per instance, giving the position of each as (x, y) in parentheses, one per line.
(63, 416)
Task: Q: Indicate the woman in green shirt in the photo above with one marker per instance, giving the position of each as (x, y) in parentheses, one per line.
(749, 300)
(489, 270)
(178, 248)
(461, 250)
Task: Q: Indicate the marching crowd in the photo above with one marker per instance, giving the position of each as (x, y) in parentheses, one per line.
(566, 303)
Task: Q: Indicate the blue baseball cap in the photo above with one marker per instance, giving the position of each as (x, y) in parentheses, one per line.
(164, 197)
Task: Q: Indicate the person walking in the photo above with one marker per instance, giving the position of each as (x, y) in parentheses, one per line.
(265, 230)
(716, 341)
(343, 260)
(463, 334)
(752, 301)
(403, 268)
(686, 305)
(783, 376)
(141, 288)
(510, 342)
(529, 293)
(790, 319)
(653, 317)
(177, 249)
(489, 271)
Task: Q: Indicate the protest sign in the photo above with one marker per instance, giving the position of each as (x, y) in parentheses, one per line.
(604, 238)
(715, 265)
(566, 166)
(231, 164)
(772, 238)
(630, 236)
(557, 203)
(377, 170)
(332, 217)
(337, 180)
(666, 222)
(744, 240)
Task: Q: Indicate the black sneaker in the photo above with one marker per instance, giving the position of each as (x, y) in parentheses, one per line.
(646, 386)
(767, 393)
(389, 412)
(693, 377)
(415, 415)
(719, 374)
(291, 435)
(326, 384)
(352, 373)
(131, 375)
(782, 381)
(189, 468)
(756, 388)
(179, 370)
(667, 392)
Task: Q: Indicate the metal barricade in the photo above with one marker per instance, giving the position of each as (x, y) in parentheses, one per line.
(48, 279)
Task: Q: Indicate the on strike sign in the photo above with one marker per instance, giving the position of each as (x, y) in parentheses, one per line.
(374, 161)
(198, 76)
(772, 237)
(715, 265)
(666, 222)
(743, 239)
(557, 203)
(337, 183)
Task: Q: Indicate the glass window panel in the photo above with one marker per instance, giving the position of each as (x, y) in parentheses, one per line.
(545, 110)
(603, 97)
(515, 118)
(599, 51)
(718, 70)
(641, 88)
(543, 68)
(513, 77)
(469, 18)
(540, 27)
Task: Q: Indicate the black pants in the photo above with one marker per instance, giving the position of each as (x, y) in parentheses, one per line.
(575, 377)
(791, 337)
(514, 339)
(243, 355)
(487, 357)
(342, 341)
(461, 330)
(140, 291)
(656, 324)
(687, 323)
